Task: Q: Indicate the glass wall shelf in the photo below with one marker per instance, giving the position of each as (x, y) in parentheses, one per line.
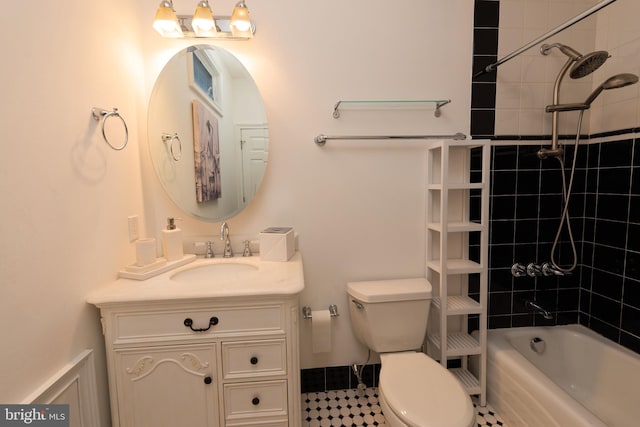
(391, 104)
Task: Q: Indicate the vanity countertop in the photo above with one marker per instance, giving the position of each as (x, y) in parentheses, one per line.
(259, 278)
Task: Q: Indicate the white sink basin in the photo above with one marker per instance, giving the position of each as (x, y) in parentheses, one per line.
(209, 278)
(215, 272)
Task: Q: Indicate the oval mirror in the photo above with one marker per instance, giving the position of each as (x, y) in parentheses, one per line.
(208, 134)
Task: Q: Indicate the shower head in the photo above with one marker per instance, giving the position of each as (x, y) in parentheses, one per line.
(588, 63)
(583, 64)
(614, 82)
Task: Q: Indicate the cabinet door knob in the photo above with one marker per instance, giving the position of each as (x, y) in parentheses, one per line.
(254, 360)
(255, 401)
(208, 380)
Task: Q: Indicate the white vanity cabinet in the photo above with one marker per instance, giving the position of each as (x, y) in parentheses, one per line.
(197, 356)
(224, 362)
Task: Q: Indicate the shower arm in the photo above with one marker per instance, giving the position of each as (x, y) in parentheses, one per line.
(558, 29)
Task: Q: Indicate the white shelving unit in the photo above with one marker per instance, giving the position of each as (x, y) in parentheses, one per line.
(457, 257)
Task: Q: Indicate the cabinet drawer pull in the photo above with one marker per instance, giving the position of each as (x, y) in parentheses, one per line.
(208, 380)
(188, 322)
(255, 401)
(254, 360)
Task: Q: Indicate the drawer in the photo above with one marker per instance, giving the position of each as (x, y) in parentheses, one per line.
(132, 326)
(244, 359)
(256, 399)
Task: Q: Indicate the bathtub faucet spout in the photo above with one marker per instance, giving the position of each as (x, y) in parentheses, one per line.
(534, 306)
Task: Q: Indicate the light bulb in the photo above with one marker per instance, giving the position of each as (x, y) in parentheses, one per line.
(166, 22)
(203, 23)
(240, 18)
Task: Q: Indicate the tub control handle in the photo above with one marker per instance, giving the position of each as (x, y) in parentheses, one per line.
(518, 270)
(188, 322)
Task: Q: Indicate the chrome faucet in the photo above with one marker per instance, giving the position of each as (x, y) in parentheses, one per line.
(224, 235)
(534, 306)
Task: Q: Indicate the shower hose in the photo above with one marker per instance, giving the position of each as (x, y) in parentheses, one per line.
(565, 218)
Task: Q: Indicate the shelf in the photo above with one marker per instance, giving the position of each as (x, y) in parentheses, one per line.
(457, 192)
(468, 380)
(457, 227)
(456, 266)
(458, 186)
(458, 344)
(458, 305)
(389, 104)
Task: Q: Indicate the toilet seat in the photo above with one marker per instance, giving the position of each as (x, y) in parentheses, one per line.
(422, 393)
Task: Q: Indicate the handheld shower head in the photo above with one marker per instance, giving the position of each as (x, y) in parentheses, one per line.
(583, 64)
(614, 82)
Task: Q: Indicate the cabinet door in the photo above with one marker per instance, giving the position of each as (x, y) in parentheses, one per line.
(168, 386)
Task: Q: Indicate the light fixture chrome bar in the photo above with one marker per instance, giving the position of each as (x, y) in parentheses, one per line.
(545, 36)
(321, 140)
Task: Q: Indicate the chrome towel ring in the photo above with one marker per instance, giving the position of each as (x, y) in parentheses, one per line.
(172, 141)
(101, 113)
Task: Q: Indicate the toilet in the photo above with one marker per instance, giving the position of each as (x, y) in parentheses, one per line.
(390, 317)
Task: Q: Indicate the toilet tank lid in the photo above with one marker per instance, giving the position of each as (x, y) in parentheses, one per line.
(390, 290)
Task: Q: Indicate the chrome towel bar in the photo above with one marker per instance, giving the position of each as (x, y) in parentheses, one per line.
(321, 139)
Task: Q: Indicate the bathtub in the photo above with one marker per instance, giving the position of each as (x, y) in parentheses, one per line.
(580, 379)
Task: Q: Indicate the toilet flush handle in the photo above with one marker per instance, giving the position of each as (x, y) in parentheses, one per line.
(358, 304)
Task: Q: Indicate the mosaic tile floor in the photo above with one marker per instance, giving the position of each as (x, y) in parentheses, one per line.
(349, 408)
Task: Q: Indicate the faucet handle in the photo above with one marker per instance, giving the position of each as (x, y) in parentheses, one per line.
(209, 253)
(518, 270)
(247, 249)
(549, 269)
(534, 270)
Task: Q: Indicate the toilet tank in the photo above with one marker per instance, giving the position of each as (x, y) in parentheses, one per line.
(390, 315)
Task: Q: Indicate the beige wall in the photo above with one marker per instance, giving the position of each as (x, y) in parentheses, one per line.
(525, 84)
(65, 194)
(358, 207)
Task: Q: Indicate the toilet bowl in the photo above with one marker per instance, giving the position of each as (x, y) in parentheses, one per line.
(416, 391)
(390, 317)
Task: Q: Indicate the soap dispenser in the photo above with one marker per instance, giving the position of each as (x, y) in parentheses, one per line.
(172, 241)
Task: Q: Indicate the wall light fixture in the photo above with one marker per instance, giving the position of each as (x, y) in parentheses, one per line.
(203, 24)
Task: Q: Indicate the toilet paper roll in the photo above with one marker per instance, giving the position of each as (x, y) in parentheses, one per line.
(321, 331)
(145, 251)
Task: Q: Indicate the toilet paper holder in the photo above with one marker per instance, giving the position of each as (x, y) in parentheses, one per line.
(306, 311)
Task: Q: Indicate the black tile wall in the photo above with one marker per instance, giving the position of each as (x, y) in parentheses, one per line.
(337, 378)
(603, 292)
(526, 201)
(485, 49)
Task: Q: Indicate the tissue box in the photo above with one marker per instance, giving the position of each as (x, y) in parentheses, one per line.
(277, 244)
